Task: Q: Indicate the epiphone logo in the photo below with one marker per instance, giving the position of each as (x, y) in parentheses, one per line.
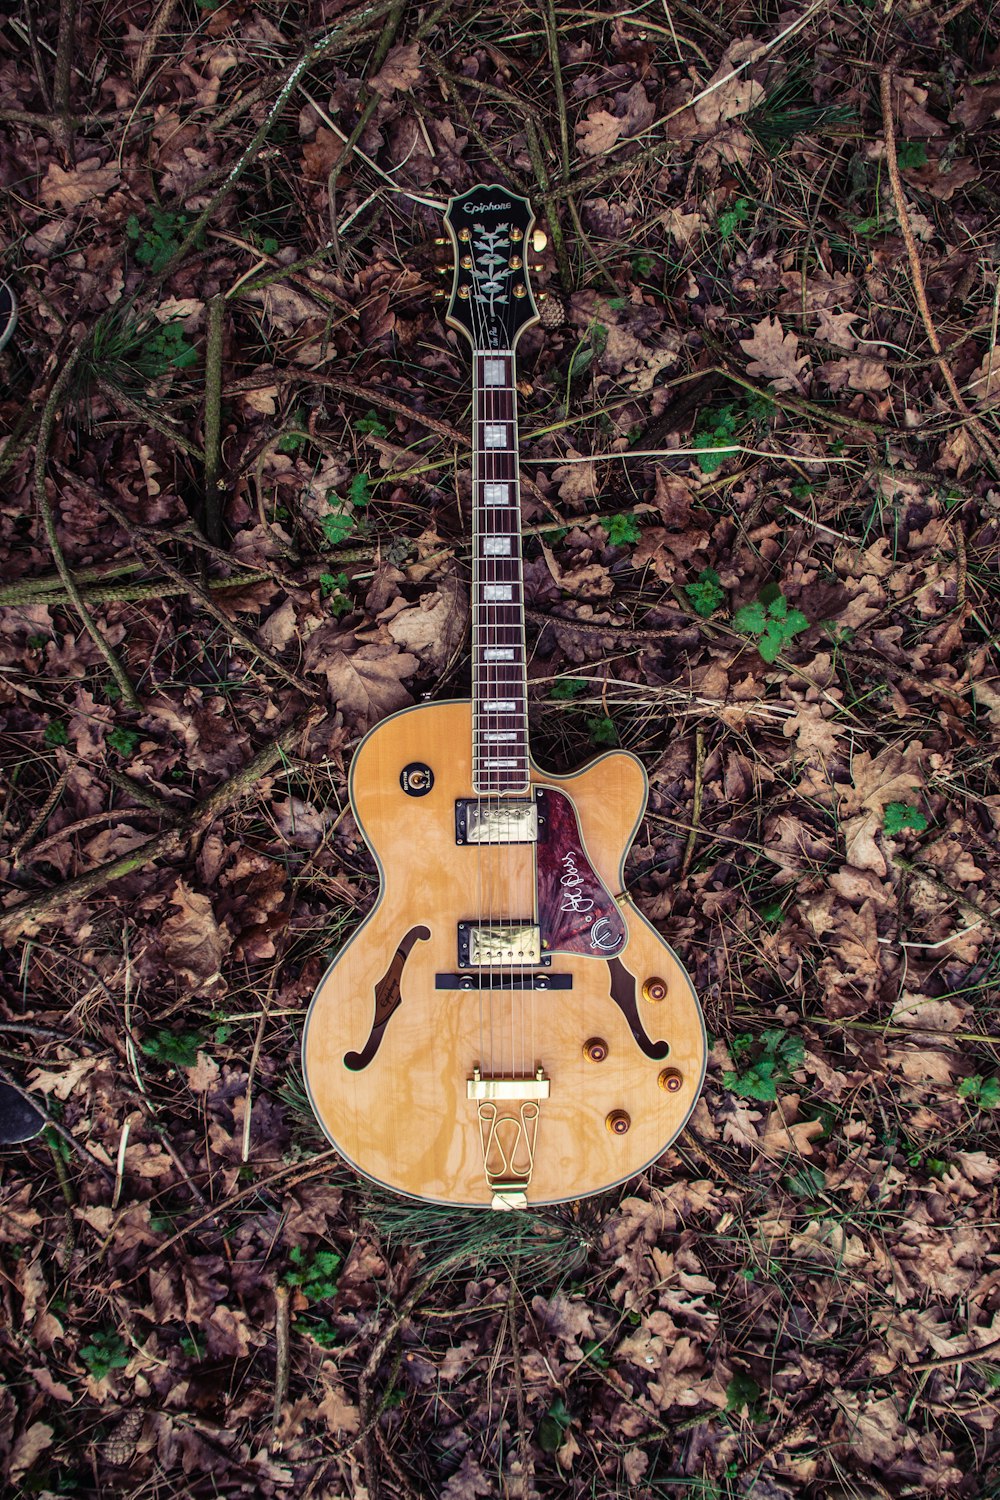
(486, 208)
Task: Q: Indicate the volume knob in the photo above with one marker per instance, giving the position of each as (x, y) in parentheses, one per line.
(654, 989)
(618, 1122)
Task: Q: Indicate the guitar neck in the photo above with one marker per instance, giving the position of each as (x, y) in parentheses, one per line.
(499, 689)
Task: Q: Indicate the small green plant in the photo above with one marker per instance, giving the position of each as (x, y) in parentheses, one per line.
(175, 1049)
(371, 424)
(983, 1092)
(622, 530)
(602, 731)
(771, 621)
(337, 526)
(731, 218)
(56, 733)
(763, 1063)
(705, 593)
(594, 1350)
(193, 1348)
(911, 154)
(157, 244)
(714, 429)
(741, 1391)
(553, 1427)
(567, 688)
(807, 1182)
(333, 588)
(130, 352)
(358, 491)
(123, 740)
(320, 1330)
(900, 815)
(314, 1275)
(290, 442)
(106, 1351)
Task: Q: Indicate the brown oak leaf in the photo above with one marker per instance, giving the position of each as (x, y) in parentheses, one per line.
(774, 354)
(598, 133)
(401, 69)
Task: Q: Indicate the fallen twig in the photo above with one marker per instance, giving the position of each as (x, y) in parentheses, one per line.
(23, 920)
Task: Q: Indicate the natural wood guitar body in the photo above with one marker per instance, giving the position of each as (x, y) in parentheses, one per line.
(403, 1116)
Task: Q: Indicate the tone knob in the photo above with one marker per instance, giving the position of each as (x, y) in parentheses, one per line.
(655, 990)
(618, 1122)
(595, 1049)
(671, 1079)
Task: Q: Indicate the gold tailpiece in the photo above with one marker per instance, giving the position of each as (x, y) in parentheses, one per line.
(508, 1151)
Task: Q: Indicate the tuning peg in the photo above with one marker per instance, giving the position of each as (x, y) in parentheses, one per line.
(443, 270)
(538, 267)
(439, 294)
(441, 240)
(539, 239)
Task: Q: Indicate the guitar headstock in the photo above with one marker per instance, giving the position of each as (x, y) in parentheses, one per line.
(491, 301)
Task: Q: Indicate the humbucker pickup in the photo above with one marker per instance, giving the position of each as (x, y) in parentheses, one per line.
(482, 945)
(509, 820)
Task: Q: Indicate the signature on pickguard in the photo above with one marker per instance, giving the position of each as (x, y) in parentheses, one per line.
(571, 880)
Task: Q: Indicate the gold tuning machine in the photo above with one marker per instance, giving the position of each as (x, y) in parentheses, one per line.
(539, 240)
(441, 240)
(439, 294)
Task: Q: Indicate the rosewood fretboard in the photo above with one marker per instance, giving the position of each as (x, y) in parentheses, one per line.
(499, 697)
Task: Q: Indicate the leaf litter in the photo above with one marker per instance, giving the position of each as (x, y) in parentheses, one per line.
(760, 546)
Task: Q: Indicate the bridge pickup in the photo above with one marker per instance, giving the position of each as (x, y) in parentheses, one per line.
(508, 980)
(481, 944)
(507, 820)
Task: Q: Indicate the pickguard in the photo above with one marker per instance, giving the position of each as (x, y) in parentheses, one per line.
(576, 911)
(387, 997)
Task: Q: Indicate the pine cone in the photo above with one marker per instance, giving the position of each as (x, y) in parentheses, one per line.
(552, 312)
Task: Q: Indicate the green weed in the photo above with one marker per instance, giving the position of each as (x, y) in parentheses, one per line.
(763, 1063)
(123, 740)
(106, 1351)
(900, 815)
(313, 1274)
(772, 622)
(713, 429)
(567, 688)
(622, 530)
(602, 730)
(554, 1425)
(158, 243)
(983, 1092)
(705, 593)
(175, 1049)
(56, 733)
(334, 590)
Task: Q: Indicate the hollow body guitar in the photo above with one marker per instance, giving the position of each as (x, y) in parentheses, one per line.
(505, 1029)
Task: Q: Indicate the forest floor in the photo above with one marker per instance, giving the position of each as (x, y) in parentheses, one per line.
(761, 503)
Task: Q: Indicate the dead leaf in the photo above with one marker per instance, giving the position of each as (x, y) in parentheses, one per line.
(367, 684)
(193, 942)
(401, 69)
(598, 133)
(30, 1446)
(88, 180)
(774, 354)
(435, 627)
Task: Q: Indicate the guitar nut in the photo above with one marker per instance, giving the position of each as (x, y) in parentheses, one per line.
(595, 1049)
(618, 1122)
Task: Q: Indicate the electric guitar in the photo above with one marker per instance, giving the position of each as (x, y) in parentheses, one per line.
(505, 1029)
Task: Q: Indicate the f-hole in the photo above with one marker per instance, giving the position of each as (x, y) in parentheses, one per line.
(387, 998)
